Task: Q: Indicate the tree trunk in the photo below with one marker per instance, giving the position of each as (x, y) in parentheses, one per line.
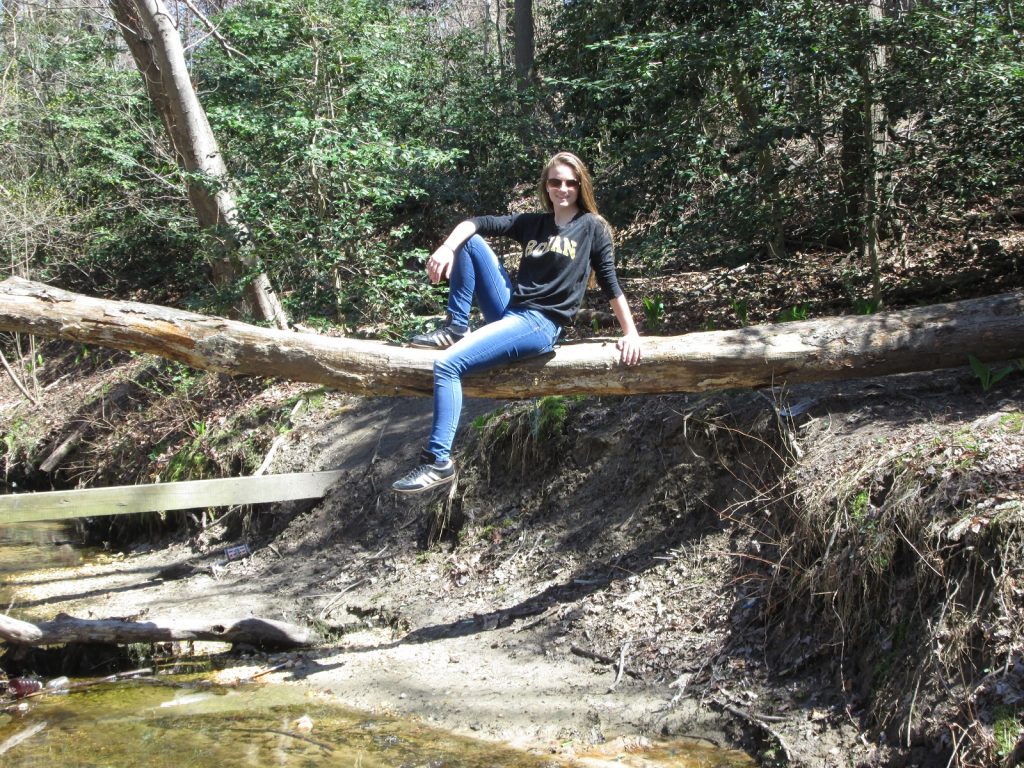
(156, 47)
(524, 49)
(875, 117)
(921, 339)
(768, 184)
(264, 633)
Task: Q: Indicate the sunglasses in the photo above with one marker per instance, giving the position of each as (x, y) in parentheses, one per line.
(557, 183)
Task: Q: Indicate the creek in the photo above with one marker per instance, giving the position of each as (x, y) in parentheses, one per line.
(189, 722)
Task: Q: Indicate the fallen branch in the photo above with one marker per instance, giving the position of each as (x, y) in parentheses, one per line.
(265, 633)
(17, 382)
(595, 656)
(50, 689)
(757, 722)
(337, 596)
(20, 736)
(62, 451)
(622, 665)
(823, 349)
(290, 734)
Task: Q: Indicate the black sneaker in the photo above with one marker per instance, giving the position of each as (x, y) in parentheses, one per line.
(441, 338)
(430, 474)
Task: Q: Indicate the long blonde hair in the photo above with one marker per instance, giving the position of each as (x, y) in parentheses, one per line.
(585, 199)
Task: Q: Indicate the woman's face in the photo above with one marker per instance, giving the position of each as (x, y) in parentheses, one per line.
(563, 189)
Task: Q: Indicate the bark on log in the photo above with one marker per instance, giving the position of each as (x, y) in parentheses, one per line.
(922, 339)
(265, 633)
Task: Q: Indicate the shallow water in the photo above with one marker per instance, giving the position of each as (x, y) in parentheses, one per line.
(27, 546)
(169, 724)
(126, 725)
(32, 546)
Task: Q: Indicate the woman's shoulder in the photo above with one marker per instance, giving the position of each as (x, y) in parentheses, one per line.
(591, 219)
(597, 223)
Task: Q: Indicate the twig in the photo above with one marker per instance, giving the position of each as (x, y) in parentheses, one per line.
(910, 714)
(622, 666)
(957, 742)
(275, 668)
(55, 382)
(918, 552)
(543, 617)
(21, 736)
(90, 683)
(595, 656)
(221, 40)
(270, 455)
(758, 722)
(380, 437)
(337, 597)
(17, 381)
(534, 547)
(292, 734)
(758, 715)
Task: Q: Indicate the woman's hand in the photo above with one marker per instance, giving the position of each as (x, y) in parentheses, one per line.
(629, 348)
(439, 265)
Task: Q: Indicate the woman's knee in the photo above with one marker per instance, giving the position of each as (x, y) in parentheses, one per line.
(446, 367)
(474, 243)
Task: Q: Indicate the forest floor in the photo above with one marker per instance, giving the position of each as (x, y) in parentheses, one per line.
(605, 571)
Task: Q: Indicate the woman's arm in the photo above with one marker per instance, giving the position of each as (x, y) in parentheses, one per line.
(439, 265)
(629, 344)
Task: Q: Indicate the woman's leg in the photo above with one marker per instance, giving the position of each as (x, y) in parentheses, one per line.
(476, 272)
(520, 333)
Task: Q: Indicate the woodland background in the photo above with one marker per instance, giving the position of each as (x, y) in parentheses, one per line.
(357, 132)
(760, 161)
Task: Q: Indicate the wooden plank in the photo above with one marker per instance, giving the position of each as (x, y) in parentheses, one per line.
(163, 497)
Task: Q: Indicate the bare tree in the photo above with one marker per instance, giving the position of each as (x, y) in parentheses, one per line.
(156, 47)
(524, 46)
(875, 135)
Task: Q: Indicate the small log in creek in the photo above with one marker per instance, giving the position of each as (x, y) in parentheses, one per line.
(264, 633)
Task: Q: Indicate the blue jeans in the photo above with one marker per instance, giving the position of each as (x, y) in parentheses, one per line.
(510, 334)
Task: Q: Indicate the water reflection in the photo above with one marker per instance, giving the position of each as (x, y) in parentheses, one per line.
(31, 546)
(27, 546)
(126, 726)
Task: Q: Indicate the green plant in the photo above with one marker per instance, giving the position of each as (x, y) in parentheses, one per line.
(791, 314)
(1006, 730)
(989, 376)
(866, 306)
(654, 311)
(742, 310)
(1013, 421)
(548, 417)
(192, 461)
(859, 506)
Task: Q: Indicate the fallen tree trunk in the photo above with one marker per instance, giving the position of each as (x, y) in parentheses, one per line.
(264, 633)
(921, 339)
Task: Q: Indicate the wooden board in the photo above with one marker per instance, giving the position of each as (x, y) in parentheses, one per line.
(163, 497)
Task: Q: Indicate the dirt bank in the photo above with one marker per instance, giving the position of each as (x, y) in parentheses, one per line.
(620, 567)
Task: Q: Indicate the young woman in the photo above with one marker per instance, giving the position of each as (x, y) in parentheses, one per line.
(560, 248)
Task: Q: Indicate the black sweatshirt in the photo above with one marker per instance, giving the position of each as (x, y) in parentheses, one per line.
(556, 261)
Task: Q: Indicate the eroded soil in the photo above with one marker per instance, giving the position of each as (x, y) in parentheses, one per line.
(603, 569)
